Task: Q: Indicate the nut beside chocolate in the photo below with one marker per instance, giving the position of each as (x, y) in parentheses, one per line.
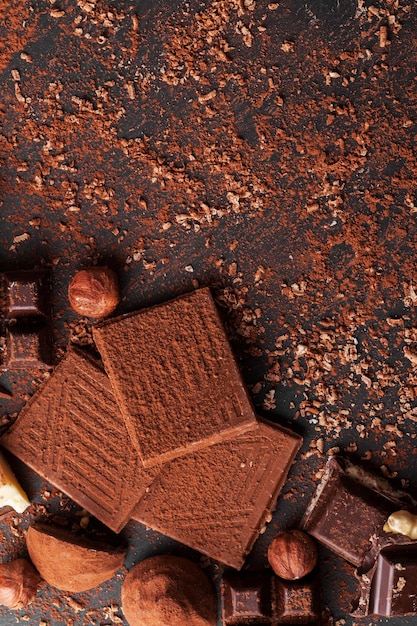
(19, 583)
(292, 554)
(94, 292)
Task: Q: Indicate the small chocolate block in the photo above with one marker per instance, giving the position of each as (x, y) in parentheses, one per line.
(247, 598)
(350, 507)
(394, 585)
(389, 588)
(28, 346)
(28, 294)
(298, 602)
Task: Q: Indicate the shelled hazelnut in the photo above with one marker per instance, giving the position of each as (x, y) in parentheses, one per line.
(19, 583)
(94, 292)
(292, 554)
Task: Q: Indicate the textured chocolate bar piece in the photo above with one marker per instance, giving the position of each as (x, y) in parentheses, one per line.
(218, 499)
(247, 598)
(348, 509)
(71, 432)
(28, 294)
(175, 377)
(28, 346)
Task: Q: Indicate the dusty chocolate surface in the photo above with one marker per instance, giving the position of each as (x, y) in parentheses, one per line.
(218, 500)
(265, 150)
(175, 377)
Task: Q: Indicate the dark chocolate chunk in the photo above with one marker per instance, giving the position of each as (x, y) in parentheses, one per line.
(28, 346)
(350, 507)
(247, 598)
(28, 294)
(394, 584)
(262, 598)
(175, 378)
(389, 588)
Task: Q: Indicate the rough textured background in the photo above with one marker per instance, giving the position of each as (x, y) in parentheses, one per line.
(267, 149)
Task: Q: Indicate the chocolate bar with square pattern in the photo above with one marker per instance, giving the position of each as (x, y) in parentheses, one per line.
(217, 500)
(175, 378)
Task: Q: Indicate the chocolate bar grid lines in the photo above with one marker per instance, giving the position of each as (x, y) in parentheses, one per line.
(72, 433)
(175, 377)
(28, 319)
(348, 510)
(263, 599)
(217, 500)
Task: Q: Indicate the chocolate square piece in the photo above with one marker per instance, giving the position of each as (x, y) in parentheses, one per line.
(348, 509)
(28, 293)
(298, 602)
(28, 346)
(71, 432)
(218, 499)
(247, 598)
(175, 377)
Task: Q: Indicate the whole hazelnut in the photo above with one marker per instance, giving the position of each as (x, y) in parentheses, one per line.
(19, 583)
(94, 292)
(292, 554)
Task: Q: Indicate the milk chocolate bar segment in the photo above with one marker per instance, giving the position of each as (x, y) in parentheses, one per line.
(218, 499)
(175, 377)
(71, 432)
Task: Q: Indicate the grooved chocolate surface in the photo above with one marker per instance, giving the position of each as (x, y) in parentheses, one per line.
(218, 499)
(175, 377)
(71, 432)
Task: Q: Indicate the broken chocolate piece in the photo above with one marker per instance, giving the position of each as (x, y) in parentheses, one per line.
(28, 294)
(350, 507)
(72, 433)
(218, 499)
(388, 589)
(175, 378)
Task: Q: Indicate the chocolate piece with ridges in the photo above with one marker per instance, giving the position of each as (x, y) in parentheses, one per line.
(72, 433)
(348, 508)
(175, 377)
(218, 499)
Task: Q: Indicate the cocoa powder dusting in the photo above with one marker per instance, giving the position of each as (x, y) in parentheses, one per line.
(264, 149)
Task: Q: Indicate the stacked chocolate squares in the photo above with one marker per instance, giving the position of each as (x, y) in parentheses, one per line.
(28, 319)
(161, 431)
